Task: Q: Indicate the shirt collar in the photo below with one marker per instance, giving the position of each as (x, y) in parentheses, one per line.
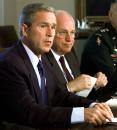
(33, 58)
(57, 56)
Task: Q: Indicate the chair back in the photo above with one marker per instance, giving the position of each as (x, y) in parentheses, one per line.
(8, 36)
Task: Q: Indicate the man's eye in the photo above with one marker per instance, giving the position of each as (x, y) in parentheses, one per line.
(62, 32)
(43, 26)
(54, 27)
(72, 33)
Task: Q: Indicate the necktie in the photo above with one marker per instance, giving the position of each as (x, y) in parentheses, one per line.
(43, 86)
(67, 74)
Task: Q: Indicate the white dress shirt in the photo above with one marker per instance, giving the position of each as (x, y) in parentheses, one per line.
(57, 57)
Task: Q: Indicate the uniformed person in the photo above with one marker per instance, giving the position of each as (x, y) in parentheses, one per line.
(100, 53)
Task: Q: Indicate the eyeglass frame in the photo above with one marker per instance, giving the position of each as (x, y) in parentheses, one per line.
(64, 33)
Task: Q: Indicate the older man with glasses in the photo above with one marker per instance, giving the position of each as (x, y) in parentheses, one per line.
(64, 61)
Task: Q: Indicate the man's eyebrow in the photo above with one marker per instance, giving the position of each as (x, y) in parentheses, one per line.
(62, 29)
(47, 23)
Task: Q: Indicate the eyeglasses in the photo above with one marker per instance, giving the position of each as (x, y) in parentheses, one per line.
(64, 33)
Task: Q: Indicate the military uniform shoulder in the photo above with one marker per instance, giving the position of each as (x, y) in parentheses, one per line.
(99, 34)
(101, 31)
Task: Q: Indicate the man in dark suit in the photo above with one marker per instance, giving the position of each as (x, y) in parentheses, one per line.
(63, 43)
(21, 79)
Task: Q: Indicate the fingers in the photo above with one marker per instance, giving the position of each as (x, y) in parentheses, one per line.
(99, 118)
(83, 81)
(99, 114)
(92, 115)
(86, 81)
(107, 110)
(101, 79)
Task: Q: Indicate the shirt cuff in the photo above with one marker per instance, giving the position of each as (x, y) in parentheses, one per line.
(77, 115)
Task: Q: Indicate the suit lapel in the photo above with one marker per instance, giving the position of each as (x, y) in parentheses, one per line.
(31, 71)
(74, 66)
(56, 67)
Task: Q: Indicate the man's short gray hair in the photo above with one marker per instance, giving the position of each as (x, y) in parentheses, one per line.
(29, 11)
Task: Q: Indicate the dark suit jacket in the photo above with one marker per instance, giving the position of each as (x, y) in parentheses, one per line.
(101, 94)
(49, 57)
(20, 99)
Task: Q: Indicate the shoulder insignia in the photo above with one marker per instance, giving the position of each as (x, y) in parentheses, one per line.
(98, 40)
(103, 30)
(98, 34)
(114, 38)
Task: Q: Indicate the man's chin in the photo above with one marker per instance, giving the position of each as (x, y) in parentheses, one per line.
(67, 51)
(47, 50)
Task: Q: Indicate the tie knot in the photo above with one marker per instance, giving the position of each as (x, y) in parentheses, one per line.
(40, 68)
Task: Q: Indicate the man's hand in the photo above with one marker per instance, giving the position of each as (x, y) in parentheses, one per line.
(80, 83)
(101, 79)
(99, 114)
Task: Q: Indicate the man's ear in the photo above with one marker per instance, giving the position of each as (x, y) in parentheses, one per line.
(24, 29)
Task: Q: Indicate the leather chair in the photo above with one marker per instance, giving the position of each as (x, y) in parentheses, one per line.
(8, 36)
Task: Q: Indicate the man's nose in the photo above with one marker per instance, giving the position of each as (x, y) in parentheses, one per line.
(50, 32)
(68, 37)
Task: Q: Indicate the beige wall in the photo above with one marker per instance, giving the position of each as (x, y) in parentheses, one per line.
(1, 12)
(11, 9)
(68, 5)
(58, 4)
(8, 12)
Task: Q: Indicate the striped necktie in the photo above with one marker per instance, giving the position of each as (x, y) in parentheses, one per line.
(67, 73)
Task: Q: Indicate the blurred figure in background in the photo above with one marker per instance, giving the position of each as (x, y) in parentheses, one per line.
(100, 53)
